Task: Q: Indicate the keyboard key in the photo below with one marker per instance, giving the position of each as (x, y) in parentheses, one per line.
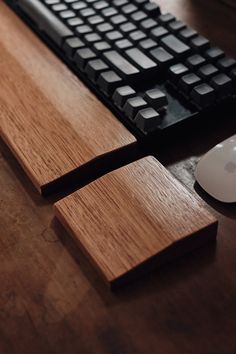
(82, 30)
(176, 26)
(94, 68)
(161, 56)
(200, 43)
(127, 27)
(76, 21)
(71, 45)
(123, 44)
(188, 81)
(203, 95)
(67, 14)
(207, 71)
(104, 27)
(195, 61)
(118, 19)
(102, 46)
(223, 85)
(176, 72)
(158, 32)
(146, 25)
(147, 44)
(175, 46)
(121, 65)
(82, 56)
(164, 19)
(156, 98)
(129, 9)
(138, 16)
(113, 36)
(133, 105)
(187, 34)
(137, 36)
(92, 37)
(141, 60)
(147, 120)
(122, 94)
(152, 9)
(214, 53)
(108, 81)
(226, 64)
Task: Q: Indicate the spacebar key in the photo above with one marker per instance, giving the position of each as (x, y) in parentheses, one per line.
(45, 20)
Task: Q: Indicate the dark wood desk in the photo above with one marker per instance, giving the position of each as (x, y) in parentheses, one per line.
(51, 300)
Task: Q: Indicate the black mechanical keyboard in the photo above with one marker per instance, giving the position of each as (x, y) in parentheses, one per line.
(153, 71)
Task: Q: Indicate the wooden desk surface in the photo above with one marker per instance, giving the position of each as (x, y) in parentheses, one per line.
(52, 302)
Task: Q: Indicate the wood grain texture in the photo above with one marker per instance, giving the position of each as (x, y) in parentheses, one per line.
(134, 216)
(50, 120)
(52, 301)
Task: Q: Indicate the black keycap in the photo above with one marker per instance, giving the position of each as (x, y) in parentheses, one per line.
(207, 71)
(127, 27)
(123, 44)
(214, 53)
(129, 9)
(138, 16)
(102, 46)
(76, 21)
(82, 56)
(148, 24)
(176, 26)
(203, 95)
(113, 36)
(226, 64)
(195, 61)
(156, 98)
(67, 14)
(46, 20)
(188, 81)
(94, 68)
(187, 34)
(175, 46)
(109, 81)
(99, 5)
(104, 27)
(92, 37)
(161, 56)
(122, 94)
(122, 66)
(95, 20)
(71, 45)
(152, 9)
(147, 44)
(166, 18)
(223, 85)
(82, 30)
(109, 11)
(119, 3)
(176, 71)
(158, 32)
(118, 19)
(79, 5)
(147, 120)
(137, 36)
(141, 60)
(87, 12)
(133, 105)
(200, 43)
(140, 3)
(59, 7)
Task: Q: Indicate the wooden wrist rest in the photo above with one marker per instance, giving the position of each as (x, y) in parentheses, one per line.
(52, 123)
(135, 218)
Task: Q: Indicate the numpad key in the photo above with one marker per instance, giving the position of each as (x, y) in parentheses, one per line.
(153, 71)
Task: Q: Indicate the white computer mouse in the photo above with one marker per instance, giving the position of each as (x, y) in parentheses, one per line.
(216, 171)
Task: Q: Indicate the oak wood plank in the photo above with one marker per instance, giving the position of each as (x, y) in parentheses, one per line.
(50, 120)
(133, 217)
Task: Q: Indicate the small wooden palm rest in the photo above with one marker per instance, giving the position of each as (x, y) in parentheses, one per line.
(135, 218)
